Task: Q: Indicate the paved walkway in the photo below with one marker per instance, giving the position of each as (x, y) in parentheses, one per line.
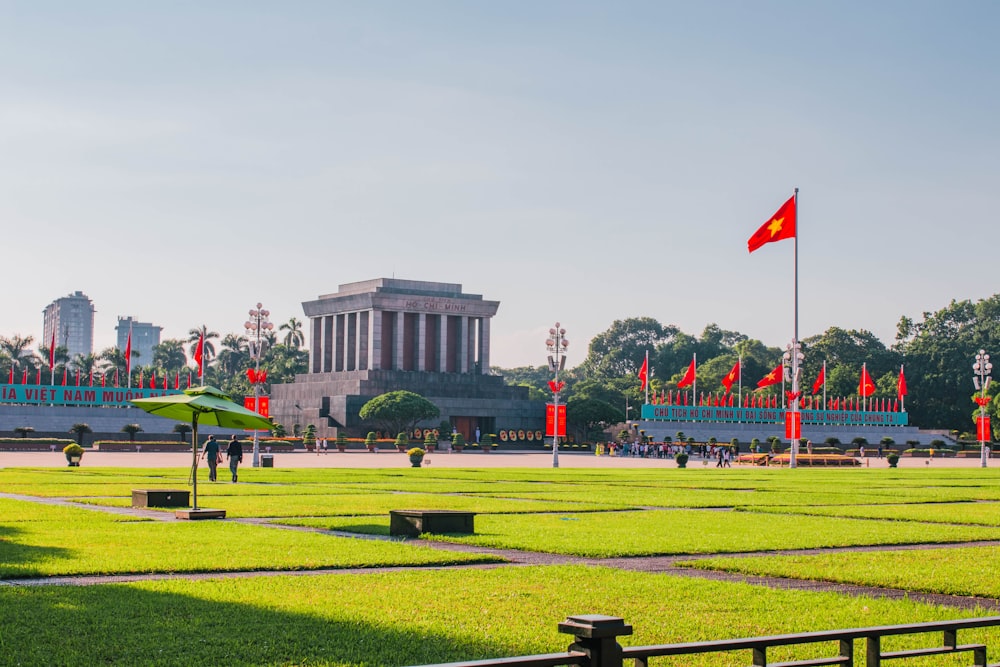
(392, 459)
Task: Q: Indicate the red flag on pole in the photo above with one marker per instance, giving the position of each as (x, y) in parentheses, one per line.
(901, 386)
(189, 380)
(730, 378)
(52, 352)
(644, 373)
(152, 379)
(38, 376)
(128, 354)
(116, 377)
(77, 377)
(104, 377)
(774, 377)
(688, 377)
(11, 380)
(64, 375)
(177, 380)
(780, 226)
(199, 354)
(820, 379)
(865, 387)
(91, 377)
(24, 377)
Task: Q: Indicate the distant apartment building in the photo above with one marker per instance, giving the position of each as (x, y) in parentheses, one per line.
(71, 319)
(145, 336)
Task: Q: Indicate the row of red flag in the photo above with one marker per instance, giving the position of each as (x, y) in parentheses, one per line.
(727, 400)
(105, 379)
(866, 387)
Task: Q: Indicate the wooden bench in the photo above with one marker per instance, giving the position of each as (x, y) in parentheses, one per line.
(161, 498)
(415, 522)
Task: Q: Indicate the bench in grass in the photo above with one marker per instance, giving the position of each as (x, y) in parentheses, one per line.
(415, 522)
(160, 498)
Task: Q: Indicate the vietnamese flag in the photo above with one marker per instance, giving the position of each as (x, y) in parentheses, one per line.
(199, 354)
(728, 381)
(688, 378)
(177, 380)
(64, 375)
(901, 386)
(24, 377)
(865, 386)
(820, 379)
(128, 354)
(643, 373)
(38, 376)
(780, 226)
(774, 377)
(152, 379)
(52, 353)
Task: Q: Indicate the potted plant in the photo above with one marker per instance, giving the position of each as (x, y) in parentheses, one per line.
(430, 440)
(370, 442)
(74, 453)
(893, 459)
(457, 442)
(341, 440)
(402, 441)
(493, 441)
(682, 459)
(416, 455)
(486, 442)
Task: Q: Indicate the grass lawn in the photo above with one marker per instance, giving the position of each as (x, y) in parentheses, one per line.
(406, 618)
(952, 571)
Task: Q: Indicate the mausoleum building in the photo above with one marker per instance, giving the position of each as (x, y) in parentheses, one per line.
(383, 335)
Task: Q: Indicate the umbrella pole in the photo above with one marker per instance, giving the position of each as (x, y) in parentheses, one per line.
(194, 457)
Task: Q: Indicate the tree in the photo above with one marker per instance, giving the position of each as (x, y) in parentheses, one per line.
(113, 359)
(183, 430)
(208, 349)
(80, 430)
(16, 346)
(294, 338)
(169, 355)
(398, 410)
(621, 349)
(589, 415)
(23, 431)
(132, 429)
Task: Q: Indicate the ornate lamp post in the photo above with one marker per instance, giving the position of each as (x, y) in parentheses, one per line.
(792, 362)
(982, 369)
(256, 326)
(556, 343)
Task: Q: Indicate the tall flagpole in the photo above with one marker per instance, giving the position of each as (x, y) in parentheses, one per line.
(694, 381)
(795, 341)
(824, 384)
(902, 397)
(740, 397)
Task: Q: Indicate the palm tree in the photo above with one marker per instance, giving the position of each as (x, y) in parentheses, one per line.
(131, 429)
(85, 363)
(169, 355)
(113, 359)
(79, 430)
(234, 358)
(14, 348)
(208, 351)
(294, 338)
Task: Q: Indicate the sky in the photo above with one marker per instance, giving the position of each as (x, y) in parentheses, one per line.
(578, 161)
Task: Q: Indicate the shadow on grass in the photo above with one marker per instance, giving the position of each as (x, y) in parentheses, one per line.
(127, 625)
(18, 559)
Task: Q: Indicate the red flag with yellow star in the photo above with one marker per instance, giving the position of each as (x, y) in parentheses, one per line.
(865, 386)
(780, 226)
(774, 377)
(730, 378)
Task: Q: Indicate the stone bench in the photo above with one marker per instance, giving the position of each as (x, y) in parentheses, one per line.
(161, 498)
(415, 522)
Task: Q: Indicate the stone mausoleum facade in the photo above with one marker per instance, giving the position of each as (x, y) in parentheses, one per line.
(383, 335)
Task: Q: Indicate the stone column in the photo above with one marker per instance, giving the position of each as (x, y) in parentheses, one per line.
(484, 345)
(421, 349)
(316, 344)
(397, 340)
(463, 345)
(375, 340)
(351, 343)
(364, 340)
(328, 343)
(442, 343)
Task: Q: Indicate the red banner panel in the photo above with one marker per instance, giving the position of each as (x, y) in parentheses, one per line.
(793, 425)
(263, 405)
(553, 426)
(983, 429)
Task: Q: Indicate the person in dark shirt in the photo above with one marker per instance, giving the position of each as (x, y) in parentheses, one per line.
(211, 454)
(235, 454)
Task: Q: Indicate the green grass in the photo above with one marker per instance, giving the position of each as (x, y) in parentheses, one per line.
(406, 618)
(952, 571)
(971, 513)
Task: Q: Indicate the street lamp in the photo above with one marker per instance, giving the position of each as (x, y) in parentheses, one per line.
(792, 361)
(556, 343)
(256, 326)
(982, 369)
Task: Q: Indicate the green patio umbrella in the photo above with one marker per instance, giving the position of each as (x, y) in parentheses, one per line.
(202, 405)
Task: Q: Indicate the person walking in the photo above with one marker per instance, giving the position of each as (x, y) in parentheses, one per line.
(211, 454)
(235, 454)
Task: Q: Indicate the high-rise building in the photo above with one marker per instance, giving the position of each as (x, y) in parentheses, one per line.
(145, 337)
(71, 318)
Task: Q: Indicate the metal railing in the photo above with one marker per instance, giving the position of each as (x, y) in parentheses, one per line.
(596, 645)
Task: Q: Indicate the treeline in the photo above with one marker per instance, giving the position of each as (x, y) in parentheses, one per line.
(937, 354)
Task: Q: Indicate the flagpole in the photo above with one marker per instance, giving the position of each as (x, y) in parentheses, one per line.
(902, 397)
(694, 382)
(740, 398)
(792, 463)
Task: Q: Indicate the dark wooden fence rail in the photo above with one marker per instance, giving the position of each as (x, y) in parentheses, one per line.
(596, 645)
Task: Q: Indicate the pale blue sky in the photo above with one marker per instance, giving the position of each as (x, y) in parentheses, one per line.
(577, 161)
